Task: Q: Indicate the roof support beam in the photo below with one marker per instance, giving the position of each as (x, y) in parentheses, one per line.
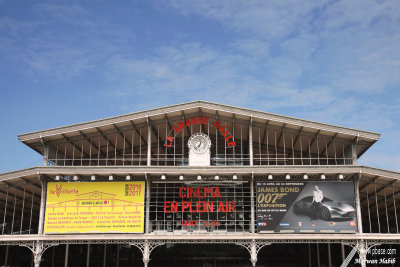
(168, 123)
(154, 131)
(313, 141)
(354, 150)
(372, 193)
(265, 132)
(13, 195)
(368, 182)
(149, 141)
(385, 186)
(382, 198)
(393, 196)
(233, 133)
(29, 182)
(145, 143)
(74, 145)
(189, 128)
(281, 135)
(125, 139)
(352, 147)
(121, 135)
(18, 208)
(20, 189)
(105, 137)
(90, 141)
(298, 136)
(48, 149)
(216, 133)
(92, 144)
(108, 142)
(137, 131)
(295, 141)
(251, 156)
(330, 142)
(201, 125)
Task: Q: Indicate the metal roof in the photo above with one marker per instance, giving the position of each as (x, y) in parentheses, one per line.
(244, 112)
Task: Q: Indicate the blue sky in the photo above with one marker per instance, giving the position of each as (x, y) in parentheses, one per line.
(64, 62)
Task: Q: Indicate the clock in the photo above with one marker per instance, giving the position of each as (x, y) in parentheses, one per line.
(199, 143)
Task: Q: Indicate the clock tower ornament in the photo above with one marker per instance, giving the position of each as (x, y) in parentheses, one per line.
(199, 150)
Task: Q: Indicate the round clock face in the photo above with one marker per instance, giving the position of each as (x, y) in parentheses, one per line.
(199, 143)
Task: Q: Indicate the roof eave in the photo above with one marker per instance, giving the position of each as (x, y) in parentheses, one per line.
(37, 135)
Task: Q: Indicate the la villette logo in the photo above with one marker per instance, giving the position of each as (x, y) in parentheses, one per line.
(59, 191)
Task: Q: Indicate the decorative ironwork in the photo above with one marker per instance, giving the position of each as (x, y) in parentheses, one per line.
(146, 247)
(38, 248)
(253, 246)
(363, 246)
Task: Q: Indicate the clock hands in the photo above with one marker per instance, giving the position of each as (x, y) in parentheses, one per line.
(197, 145)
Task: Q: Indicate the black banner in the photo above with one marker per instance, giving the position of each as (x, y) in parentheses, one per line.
(306, 207)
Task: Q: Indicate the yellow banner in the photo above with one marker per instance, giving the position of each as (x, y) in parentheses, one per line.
(82, 207)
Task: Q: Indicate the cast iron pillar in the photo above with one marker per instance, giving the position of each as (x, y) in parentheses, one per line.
(252, 195)
(43, 183)
(148, 142)
(253, 253)
(362, 253)
(251, 140)
(354, 150)
(46, 151)
(147, 203)
(358, 203)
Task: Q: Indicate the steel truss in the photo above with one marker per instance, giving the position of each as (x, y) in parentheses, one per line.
(146, 246)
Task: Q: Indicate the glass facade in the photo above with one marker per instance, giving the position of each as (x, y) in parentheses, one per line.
(200, 207)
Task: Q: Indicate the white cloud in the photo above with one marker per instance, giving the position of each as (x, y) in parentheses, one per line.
(280, 18)
(201, 72)
(301, 48)
(58, 60)
(270, 19)
(252, 47)
(360, 14)
(352, 45)
(70, 14)
(61, 41)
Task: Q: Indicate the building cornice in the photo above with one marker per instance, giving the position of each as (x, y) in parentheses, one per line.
(213, 170)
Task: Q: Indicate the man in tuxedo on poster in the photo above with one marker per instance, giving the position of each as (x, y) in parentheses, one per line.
(316, 203)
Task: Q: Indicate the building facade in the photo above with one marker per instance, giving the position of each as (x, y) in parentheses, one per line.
(199, 184)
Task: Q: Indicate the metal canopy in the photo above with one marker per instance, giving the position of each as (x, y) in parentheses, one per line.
(192, 107)
(125, 139)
